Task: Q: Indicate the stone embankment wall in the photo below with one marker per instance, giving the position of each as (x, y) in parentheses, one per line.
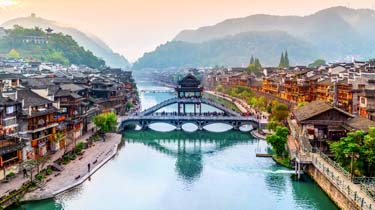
(332, 191)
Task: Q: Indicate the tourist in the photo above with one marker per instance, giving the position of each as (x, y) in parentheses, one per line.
(24, 172)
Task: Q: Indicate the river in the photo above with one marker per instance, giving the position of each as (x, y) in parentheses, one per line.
(178, 170)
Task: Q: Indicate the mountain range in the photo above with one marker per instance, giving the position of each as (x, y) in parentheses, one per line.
(336, 33)
(88, 41)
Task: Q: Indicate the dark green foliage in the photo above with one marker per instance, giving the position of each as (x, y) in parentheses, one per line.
(10, 175)
(278, 140)
(80, 146)
(39, 177)
(284, 60)
(129, 105)
(49, 171)
(60, 48)
(107, 122)
(317, 63)
(255, 66)
(361, 147)
(279, 112)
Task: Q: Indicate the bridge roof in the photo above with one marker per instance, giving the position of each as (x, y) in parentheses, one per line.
(189, 81)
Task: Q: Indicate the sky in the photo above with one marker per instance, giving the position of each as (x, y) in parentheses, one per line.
(132, 27)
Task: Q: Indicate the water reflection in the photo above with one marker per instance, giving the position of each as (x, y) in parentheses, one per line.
(188, 148)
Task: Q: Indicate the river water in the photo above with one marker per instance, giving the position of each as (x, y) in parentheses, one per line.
(178, 170)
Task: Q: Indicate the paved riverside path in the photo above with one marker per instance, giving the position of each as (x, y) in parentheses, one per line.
(18, 180)
(345, 181)
(241, 105)
(96, 155)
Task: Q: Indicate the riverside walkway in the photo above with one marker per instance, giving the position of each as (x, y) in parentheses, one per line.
(301, 149)
(76, 172)
(241, 105)
(19, 180)
(341, 179)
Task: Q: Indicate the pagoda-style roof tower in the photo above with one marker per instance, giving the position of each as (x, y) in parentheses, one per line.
(189, 86)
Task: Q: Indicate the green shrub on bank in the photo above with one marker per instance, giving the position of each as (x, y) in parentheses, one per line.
(80, 146)
(10, 175)
(39, 176)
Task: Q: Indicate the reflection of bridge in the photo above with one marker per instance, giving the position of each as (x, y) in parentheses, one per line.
(188, 152)
(189, 92)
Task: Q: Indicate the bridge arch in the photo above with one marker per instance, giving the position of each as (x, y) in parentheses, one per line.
(202, 100)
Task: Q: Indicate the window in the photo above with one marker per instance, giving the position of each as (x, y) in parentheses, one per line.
(10, 109)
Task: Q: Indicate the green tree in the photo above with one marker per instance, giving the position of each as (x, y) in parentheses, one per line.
(13, 54)
(219, 88)
(272, 125)
(279, 112)
(302, 104)
(286, 59)
(57, 57)
(107, 122)
(41, 161)
(29, 166)
(278, 140)
(282, 61)
(129, 105)
(369, 151)
(348, 149)
(317, 63)
(251, 60)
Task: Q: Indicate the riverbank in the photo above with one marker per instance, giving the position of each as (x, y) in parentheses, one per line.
(76, 172)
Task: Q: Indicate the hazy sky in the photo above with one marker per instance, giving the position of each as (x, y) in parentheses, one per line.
(132, 27)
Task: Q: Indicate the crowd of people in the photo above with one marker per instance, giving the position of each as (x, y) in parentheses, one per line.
(211, 114)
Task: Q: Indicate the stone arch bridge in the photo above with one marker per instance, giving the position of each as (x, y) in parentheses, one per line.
(150, 116)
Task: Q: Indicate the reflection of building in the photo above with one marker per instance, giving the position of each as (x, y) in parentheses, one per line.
(188, 87)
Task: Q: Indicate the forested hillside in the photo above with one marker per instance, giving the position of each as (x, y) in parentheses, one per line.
(54, 47)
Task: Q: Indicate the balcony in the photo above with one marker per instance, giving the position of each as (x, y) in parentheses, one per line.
(37, 128)
(10, 144)
(42, 112)
(41, 141)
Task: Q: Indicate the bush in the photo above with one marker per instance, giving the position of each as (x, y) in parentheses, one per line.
(10, 175)
(80, 146)
(67, 158)
(39, 177)
(49, 171)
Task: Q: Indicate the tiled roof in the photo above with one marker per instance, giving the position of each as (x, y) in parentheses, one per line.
(30, 98)
(326, 82)
(311, 109)
(359, 123)
(71, 87)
